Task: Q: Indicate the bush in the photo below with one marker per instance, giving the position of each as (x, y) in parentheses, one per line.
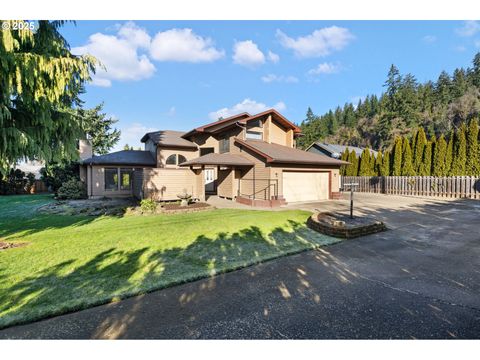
(148, 205)
(55, 175)
(73, 189)
(13, 183)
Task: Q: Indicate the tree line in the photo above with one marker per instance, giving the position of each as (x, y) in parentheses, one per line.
(458, 154)
(376, 121)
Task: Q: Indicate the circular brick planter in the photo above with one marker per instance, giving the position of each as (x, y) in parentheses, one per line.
(341, 226)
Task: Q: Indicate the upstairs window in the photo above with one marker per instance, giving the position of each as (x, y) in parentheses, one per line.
(175, 159)
(256, 135)
(224, 145)
(181, 159)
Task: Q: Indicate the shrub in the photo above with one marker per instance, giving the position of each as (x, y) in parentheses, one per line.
(148, 205)
(55, 175)
(72, 189)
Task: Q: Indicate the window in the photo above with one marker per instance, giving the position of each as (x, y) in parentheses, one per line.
(254, 135)
(172, 160)
(206, 150)
(125, 179)
(255, 123)
(111, 179)
(224, 145)
(181, 159)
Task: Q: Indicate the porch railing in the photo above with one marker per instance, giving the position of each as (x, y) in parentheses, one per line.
(258, 189)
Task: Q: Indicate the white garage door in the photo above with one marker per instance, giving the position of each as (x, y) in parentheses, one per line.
(305, 186)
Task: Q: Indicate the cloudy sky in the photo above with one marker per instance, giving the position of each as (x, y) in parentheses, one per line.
(179, 75)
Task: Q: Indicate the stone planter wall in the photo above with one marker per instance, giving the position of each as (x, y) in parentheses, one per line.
(344, 232)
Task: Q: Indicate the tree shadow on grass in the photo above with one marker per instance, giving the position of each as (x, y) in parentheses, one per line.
(115, 274)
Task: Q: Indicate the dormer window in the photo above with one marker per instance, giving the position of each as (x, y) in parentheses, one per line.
(255, 135)
(224, 145)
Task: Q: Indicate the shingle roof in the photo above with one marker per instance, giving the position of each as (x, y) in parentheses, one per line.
(169, 138)
(337, 150)
(219, 159)
(275, 153)
(124, 157)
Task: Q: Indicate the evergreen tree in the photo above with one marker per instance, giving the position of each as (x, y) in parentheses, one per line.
(420, 140)
(364, 167)
(459, 152)
(344, 157)
(385, 170)
(439, 157)
(449, 153)
(407, 166)
(310, 117)
(472, 167)
(425, 168)
(352, 169)
(378, 164)
(397, 157)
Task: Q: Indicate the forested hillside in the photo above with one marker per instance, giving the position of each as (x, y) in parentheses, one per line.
(438, 107)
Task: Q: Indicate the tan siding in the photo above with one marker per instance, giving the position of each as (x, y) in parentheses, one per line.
(278, 135)
(205, 141)
(166, 184)
(225, 183)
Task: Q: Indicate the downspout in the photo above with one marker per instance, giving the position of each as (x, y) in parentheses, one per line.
(91, 180)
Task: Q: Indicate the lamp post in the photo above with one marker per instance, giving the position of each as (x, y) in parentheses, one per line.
(351, 197)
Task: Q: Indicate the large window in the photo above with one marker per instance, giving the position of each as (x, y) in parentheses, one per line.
(111, 179)
(125, 179)
(224, 145)
(254, 135)
(175, 159)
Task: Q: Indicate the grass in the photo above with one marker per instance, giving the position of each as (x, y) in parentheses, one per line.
(74, 262)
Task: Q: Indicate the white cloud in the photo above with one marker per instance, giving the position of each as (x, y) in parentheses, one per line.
(270, 78)
(185, 46)
(172, 111)
(429, 39)
(247, 105)
(325, 68)
(131, 135)
(320, 43)
(247, 53)
(469, 28)
(274, 58)
(119, 55)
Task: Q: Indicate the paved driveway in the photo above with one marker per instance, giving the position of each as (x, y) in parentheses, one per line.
(420, 279)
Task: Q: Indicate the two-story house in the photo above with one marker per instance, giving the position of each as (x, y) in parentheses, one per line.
(248, 158)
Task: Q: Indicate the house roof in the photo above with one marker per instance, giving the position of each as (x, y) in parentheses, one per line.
(275, 153)
(169, 138)
(336, 150)
(124, 157)
(242, 118)
(227, 159)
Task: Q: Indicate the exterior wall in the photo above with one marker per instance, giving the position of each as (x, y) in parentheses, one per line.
(205, 141)
(96, 182)
(138, 183)
(164, 153)
(225, 183)
(278, 135)
(85, 149)
(150, 146)
(166, 184)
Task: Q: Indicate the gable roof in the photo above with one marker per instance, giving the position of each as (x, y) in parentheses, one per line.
(274, 153)
(124, 157)
(169, 138)
(336, 150)
(219, 159)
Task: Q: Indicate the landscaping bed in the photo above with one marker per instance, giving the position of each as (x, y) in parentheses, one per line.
(176, 208)
(89, 207)
(342, 226)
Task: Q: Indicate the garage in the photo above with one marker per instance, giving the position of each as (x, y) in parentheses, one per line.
(305, 186)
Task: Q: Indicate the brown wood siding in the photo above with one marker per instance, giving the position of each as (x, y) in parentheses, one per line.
(166, 184)
(164, 153)
(225, 183)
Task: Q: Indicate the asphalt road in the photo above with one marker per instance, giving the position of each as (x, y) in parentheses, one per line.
(419, 279)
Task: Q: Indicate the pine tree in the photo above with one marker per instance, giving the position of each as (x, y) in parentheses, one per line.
(449, 153)
(439, 157)
(459, 152)
(364, 168)
(397, 157)
(385, 169)
(407, 166)
(344, 157)
(418, 148)
(425, 168)
(472, 167)
(378, 164)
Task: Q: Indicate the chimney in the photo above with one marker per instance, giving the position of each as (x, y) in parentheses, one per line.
(85, 149)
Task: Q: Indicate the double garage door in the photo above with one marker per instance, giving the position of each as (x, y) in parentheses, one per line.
(305, 186)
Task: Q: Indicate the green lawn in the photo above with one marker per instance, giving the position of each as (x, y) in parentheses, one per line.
(73, 262)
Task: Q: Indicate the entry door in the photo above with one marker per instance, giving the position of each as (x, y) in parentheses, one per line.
(209, 180)
(305, 186)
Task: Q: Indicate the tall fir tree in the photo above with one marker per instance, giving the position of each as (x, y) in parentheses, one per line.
(378, 164)
(472, 166)
(425, 168)
(352, 169)
(439, 157)
(344, 157)
(397, 157)
(407, 166)
(418, 148)
(449, 153)
(364, 167)
(459, 152)
(385, 169)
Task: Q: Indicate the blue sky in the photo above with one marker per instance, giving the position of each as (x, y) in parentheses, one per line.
(181, 74)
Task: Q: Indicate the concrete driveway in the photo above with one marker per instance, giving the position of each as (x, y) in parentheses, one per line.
(419, 279)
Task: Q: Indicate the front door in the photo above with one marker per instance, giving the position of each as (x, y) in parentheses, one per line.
(209, 180)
